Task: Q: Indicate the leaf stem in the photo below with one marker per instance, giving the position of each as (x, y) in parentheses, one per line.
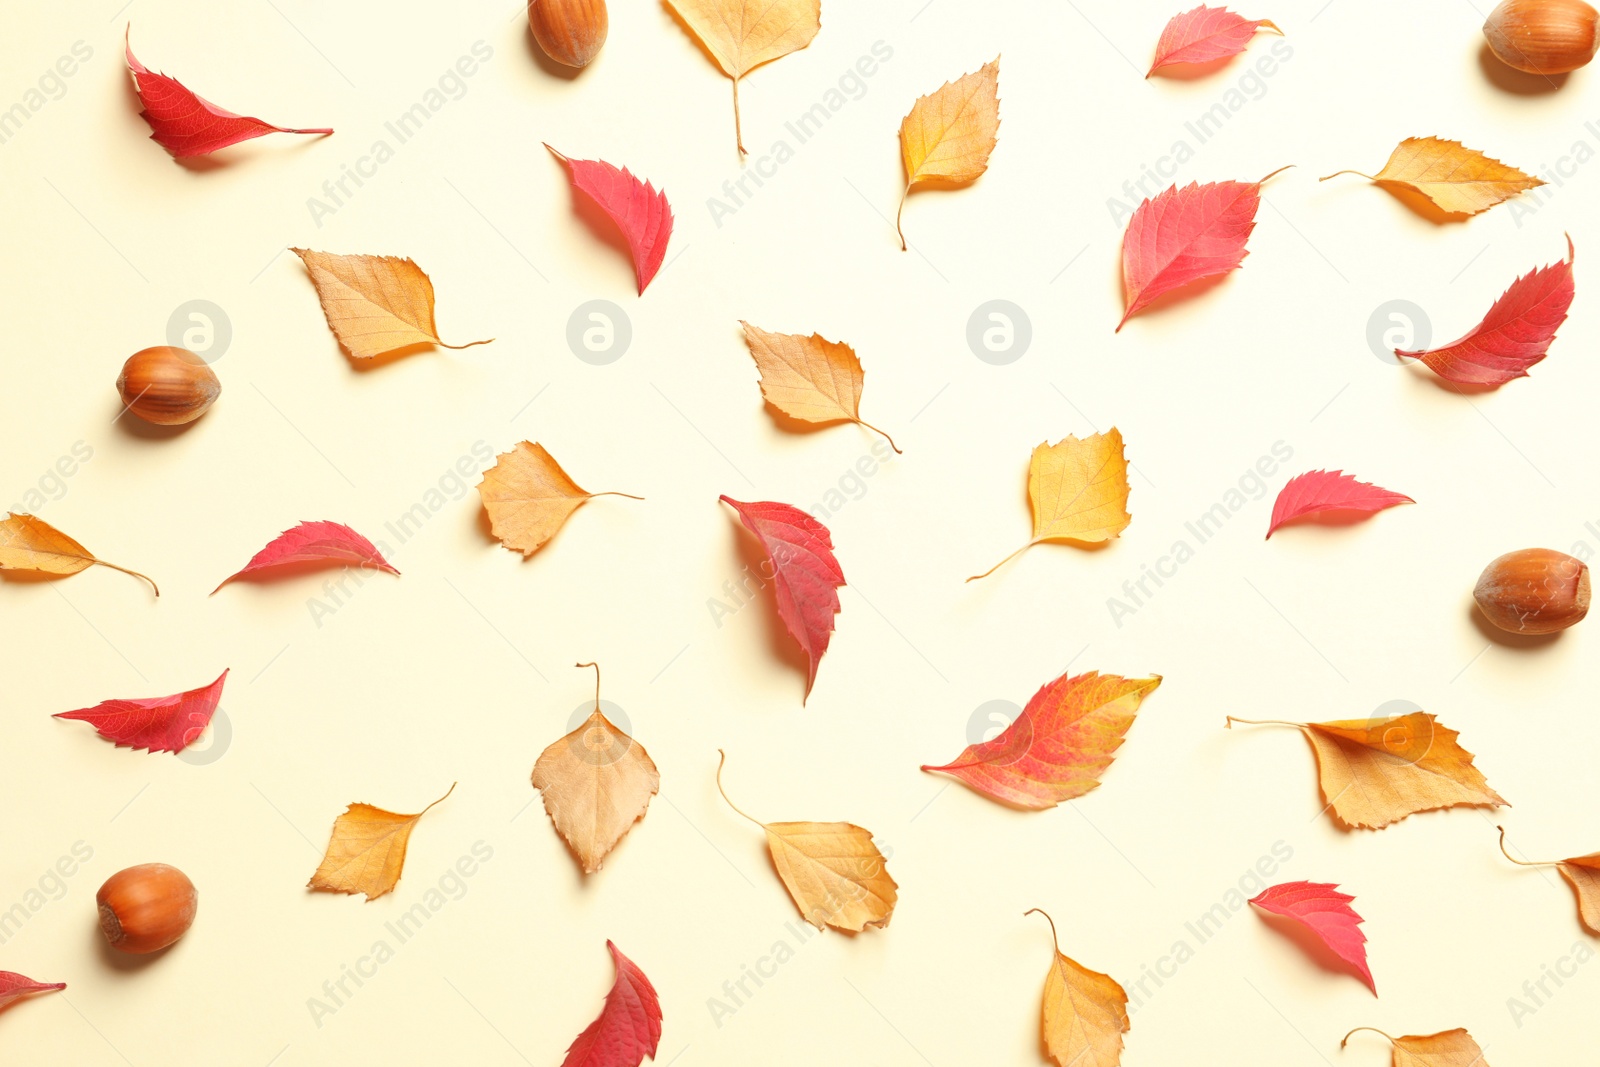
(321, 131)
(738, 131)
(1521, 863)
(1262, 722)
(612, 492)
(1054, 940)
(1274, 174)
(886, 437)
(1002, 563)
(1373, 1029)
(136, 574)
(458, 348)
(1335, 174)
(596, 667)
(441, 800)
(722, 757)
(899, 213)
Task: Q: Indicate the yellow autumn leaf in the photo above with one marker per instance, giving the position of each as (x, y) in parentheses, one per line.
(30, 544)
(1078, 491)
(949, 133)
(597, 782)
(832, 870)
(1448, 1048)
(1085, 1013)
(743, 34)
(374, 304)
(811, 378)
(529, 497)
(367, 852)
(1582, 874)
(1459, 180)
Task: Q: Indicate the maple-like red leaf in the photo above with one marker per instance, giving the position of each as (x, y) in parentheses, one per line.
(1318, 491)
(1205, 34)
(314, 542)
(1326, 912)
(629, 1026)
(1515, 334)
(187, 124)
(14, 986)
(640, 211)
(160, 724)
(805, 574)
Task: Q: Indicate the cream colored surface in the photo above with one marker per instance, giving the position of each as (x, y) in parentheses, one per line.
(462, 669)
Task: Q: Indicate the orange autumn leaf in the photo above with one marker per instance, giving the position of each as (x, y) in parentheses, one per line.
(1374, 772)
(374, 304)
(1448, 1048)
(1085, 1013)
(949, 134)
(367, 852)
(811, 378)
(1582, 874)
(529, 497)
(30, 544)
(1459, 180)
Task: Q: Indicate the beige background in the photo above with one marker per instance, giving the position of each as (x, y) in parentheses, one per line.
(461, 670)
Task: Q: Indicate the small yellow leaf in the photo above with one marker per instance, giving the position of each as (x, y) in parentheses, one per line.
(367, 852)
(374, 304)
(30, 544)
(1459, 180)
(529, 497)
(950, 133)
(1085, 1013)
(811, 378)
(1582, 874)
(1448, 1048)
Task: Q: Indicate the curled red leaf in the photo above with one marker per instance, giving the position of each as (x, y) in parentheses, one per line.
(1319, 491)
(640, 210)
(1204, 35)
(314, 542)
(160, 724)
(629, 1026)
(1326, 912)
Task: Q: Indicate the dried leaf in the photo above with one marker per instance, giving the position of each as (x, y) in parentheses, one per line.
(314, 542)
(832, 870)
(639, 210)
(1315, 492)
(1059, 746)
(743, 34)
(1448, 1048)
(1459, 180)
(529, 497)
(30, 544)
(1085, 1013)
(1204, 35)
(949, 134)
(14, 987)
(811, 378)
(158, 724)
(1582, 874)
(1326, 912)
(367, 852)
(1078, 491)
(629, 1026)
(374, 304)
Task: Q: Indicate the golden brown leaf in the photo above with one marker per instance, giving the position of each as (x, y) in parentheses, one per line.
(1085, 1013)
(1448, 1048)
(1582, 874)
(374, 304)
(597, 782)
(811, 378)
(30, 544)
(529, 497)
(367, 852)
(948, 135)
(833, 871)
(1459, 180)
(1078, 490)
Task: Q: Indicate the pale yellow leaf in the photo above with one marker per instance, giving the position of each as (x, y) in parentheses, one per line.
(31, 544)
(1448, 1048)
(529, 497)
(374, 304)
(1085, 1013)
(367, 852)
(950, 133)
(1459, 180)
(811, 378)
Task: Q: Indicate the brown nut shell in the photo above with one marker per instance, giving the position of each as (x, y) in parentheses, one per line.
(167, 386)
(570, 31)
(1534, 591)
(1543, 36)
(146, 908)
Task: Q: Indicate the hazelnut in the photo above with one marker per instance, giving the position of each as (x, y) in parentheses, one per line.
(1534, 591)
(1543, 36)
(570, 31)
(146, 908)
(167, 386)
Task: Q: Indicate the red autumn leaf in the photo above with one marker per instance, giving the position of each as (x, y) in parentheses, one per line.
(629, 1026)
(1515, 334)
(805, 574)
(14, 987)
(1184, 235)
(1318, 491)
(314, 542)
(1326, 912)
(186, 124)
(160, 724)
(1205, 34)
(640, 211)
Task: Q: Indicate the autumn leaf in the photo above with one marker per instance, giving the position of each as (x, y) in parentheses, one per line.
(629, 1025)
(310, 543)
(367, 852)
(1326, 912)
(14, 987)
(805, 575)
(158, 724)
(597, 782)
(186, 124)
(640, 211)
(811, 378)
(949, 134)
(374, 304)
(1582, 874)
(1078, 491)
(1459, 180)
(529, 497)
(1059, 746)
(30, 544)
(1513, 336)
(1085, 1013)
(741, 35)
(1316, 492)
(1204, 35)
(1184, 235)
(1375, 772)
(1448, 1048)
(832, 870)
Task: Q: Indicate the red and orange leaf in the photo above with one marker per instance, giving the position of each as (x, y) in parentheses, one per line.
(159, 724)
(1315, 492)
(629, 1026)
(1514, 335)
(14, 987)
(1059, 746)
(1204, 35)
(1326, 912)
(640, 210)
(314, 542)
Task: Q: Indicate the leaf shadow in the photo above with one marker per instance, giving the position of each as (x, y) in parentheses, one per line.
(789, 424)
(285, 572)
(688, 30)
(1509, 79)
(1419, 204)
(1181, 295)
(1313, 946)
(1188, 72)
(1332, 517)
(752, 556)
(1422, 375)
(31, 577)
(367, 364)
(1530, 644)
